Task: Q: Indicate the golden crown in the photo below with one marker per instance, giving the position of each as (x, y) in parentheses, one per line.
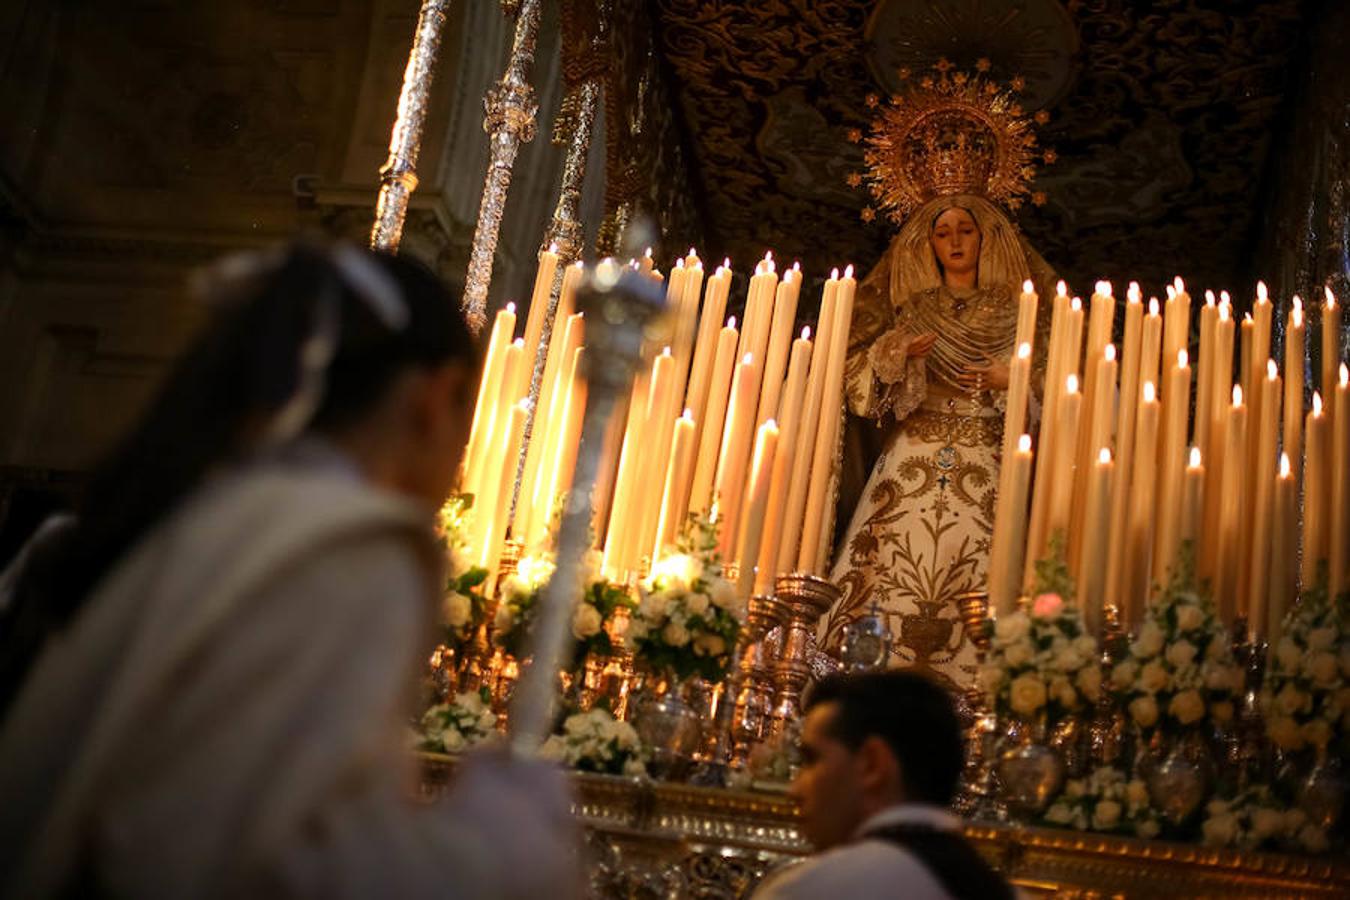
(953, 133)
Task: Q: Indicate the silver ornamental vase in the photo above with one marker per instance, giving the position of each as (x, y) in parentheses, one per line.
(667, 724)
(1179, 782)
(1321, 793)
(1030, 772)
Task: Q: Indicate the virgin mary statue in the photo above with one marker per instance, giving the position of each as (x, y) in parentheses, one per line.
(927, 364)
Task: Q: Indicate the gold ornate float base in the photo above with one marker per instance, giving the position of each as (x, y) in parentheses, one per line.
(653, 839)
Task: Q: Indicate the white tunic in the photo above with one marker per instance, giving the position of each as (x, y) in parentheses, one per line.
(868, 867)
(226, 717)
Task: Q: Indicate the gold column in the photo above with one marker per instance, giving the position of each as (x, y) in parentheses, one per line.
(510, 108)
(398, 176)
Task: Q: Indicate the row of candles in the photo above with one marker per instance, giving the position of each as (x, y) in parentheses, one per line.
(738, 425)
(1140, 452)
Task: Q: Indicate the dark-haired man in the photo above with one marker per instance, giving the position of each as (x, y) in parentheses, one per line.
(881, 757)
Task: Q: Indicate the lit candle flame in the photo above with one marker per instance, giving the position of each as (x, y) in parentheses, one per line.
(648, 254)
(1171, 293)
(1076, 304)
(1296, 316)
(666, 351)
(1345, 375)
(1150, 392)
(1110, 352)
(848, 271)
(519, 342)
(1179, 284)
(1183, 359)
(1272, 371)
(1062, 289)
(1104, 455)
(1071, 384)
(1024, 350)
(745, 360)
(1331, 298)
(731, 322)
(1152, 306)
(1209, 298)
(1024, 443)
(1133, 294)
(1195, 458)
(688, 414)
(726, 263)
(1224, 298)
(806, 333)
(1237, 395)
(834, 274)
(692, 252)
(1297, 303)
(1103, 288)
(1261, 295)
(1286, 471)
(1225, 313)
(1317, 403)
(1028, 287)
(511, 308)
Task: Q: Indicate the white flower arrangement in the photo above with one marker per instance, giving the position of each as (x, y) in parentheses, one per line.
(597, 742)
(1041, 661)
(458, 725)
(1306, 695)
(1180, 668)
(1255, 819)
(594, 608)
(688, 616)
(463, 606)
(1105, 801)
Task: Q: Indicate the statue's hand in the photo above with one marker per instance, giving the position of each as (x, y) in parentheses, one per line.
(892, 350)
(991, 375)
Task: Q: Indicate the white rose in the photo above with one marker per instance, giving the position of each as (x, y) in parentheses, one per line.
(1086, 645)
(637, 630)
(697, 604)
(654, 605)
(675, 634)
(1136, 794)
(1011, 628)
(1144, 711)
(709, 645)
(1291, 700)
(1059, 814)
(487, 721)
(1106, 815)
(1149, 642)
(723, 593)
(1285, 732)
(453, 740)
(1220, 830)
(1181, 653)
(1090, 682)
(1321, 638)
(1267, 822)
(1317, 732)
(634, 766)
(1018, 654)
(1062, 690)
(457, 562)
(1189, 617)
(1069, 660)
(1123, 675)
(1324, 669)
(458, 609)
(1217, 678)
(554, 748)
(1153, 677)
(1147, 829)
(1313, 839)
(1289, 654)
(1026, 694)
(585, 622)
(1187, 707)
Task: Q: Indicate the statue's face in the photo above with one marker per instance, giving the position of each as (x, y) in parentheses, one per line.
(956, 241)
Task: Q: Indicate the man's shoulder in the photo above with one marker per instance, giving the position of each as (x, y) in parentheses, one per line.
(868, 868)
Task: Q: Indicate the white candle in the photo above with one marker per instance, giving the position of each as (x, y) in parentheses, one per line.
(1282, 569)
(1316, 486)
(789, 445)
(1092, 576)
(1010, 527)
(1143, 483)
(710, 432)
(1339, 531)
(736, 440)
(756, 503)
(1230, 519)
